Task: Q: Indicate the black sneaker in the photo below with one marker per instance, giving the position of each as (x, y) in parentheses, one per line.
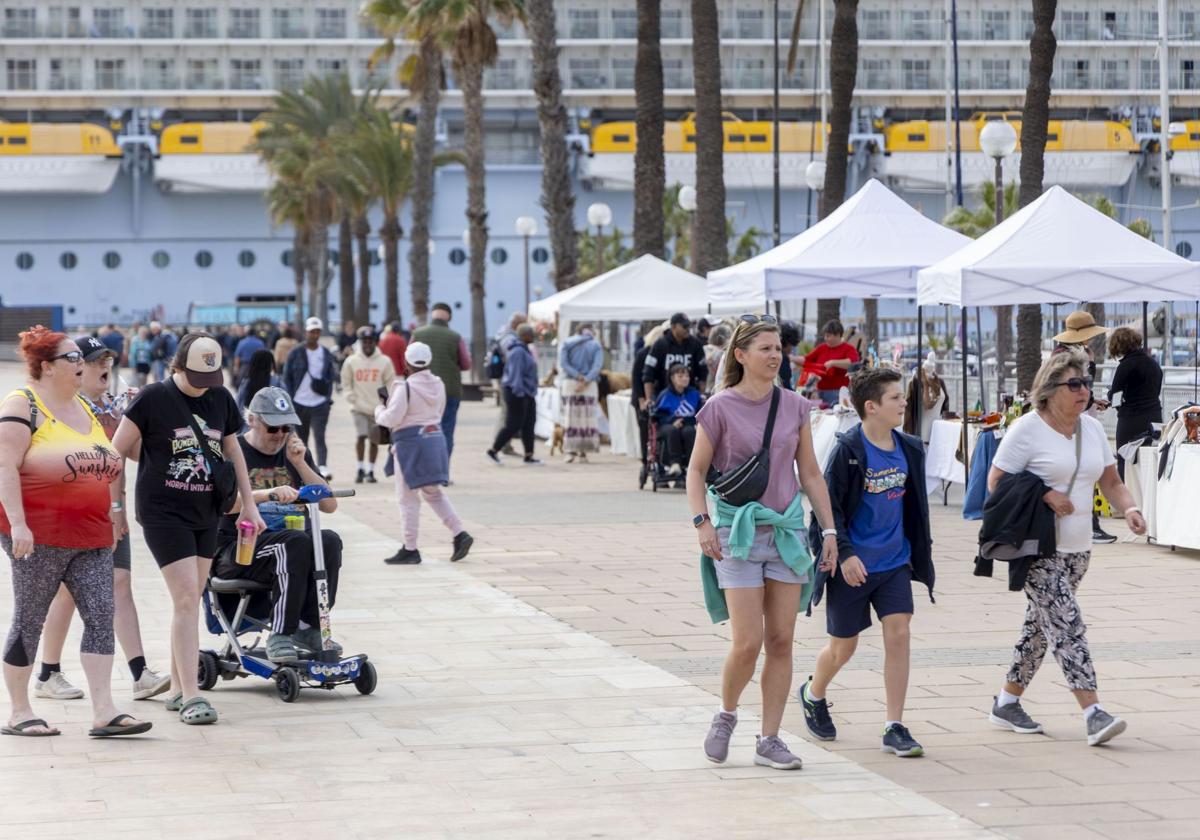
(404, 557)
(530, 461)
(816, 715)
(896, 739)
(358, 479)
(494, 457)
(1099, 535)
(462, 544)
(371, 477)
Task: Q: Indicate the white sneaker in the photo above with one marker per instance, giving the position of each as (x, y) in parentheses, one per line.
(150, 684)
(56, 688)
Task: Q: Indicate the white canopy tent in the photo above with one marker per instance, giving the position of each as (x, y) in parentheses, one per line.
(641, 290)
(871, 246)
(1058, 249)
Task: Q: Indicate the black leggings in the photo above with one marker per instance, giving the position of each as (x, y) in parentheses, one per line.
(315, 419)
(675, 445)
(1130, 427)
(519, 420)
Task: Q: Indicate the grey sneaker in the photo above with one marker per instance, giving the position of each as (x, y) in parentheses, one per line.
(150, 684)
(772, 752)
(1012, 716)
(280, 648)
(56, 688)
(716, 745)
(310, 638)
(1102, 726)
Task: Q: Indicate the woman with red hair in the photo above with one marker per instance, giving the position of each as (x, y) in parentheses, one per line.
(56, 472)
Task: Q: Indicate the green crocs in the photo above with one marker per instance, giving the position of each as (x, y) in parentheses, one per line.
(197, 712)
(175, 702)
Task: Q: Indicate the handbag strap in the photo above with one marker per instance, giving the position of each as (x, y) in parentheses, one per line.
(1078, 454)
(200, 439)
(766, 445)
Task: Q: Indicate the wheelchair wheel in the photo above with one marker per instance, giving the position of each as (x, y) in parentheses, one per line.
(287, 683)
(210, 670)
(366, 681)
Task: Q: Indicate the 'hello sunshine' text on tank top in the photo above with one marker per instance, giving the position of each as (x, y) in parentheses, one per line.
(64, 483)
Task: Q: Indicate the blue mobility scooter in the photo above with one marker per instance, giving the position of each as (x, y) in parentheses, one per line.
(225, 612)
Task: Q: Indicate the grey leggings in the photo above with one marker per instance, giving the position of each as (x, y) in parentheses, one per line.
(88, 576)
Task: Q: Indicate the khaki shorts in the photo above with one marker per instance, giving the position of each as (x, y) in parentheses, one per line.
(363, 423)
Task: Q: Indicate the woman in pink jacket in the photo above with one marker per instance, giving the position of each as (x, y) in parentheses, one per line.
(414, 414)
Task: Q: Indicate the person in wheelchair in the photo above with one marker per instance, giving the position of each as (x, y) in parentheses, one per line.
(279, 464)
(675, 417)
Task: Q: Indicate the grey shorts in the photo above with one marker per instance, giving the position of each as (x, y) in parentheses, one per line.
(363, 423)
(763, 563)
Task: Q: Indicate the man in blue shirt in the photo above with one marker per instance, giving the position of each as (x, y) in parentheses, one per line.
(246, 348)
(876, 479)
(114, 340)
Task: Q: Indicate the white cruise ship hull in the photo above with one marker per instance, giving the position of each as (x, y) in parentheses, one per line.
(211, 173)
(88, 174)
(746, 170)
(927, 170)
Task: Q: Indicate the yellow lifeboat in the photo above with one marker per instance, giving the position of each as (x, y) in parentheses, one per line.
(747, 160)
(1185, 156)
(1079, 153)
(57, 158)
(210, 157)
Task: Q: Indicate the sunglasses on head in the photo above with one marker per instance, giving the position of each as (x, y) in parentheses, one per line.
(750, 318)
(1075, 383)
(73, 356)
(274, 430)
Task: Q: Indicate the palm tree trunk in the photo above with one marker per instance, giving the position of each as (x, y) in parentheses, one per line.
(318, 255)
(558, 199)
(711, 248)
(1099, 344)
(390, 233)
(299, 261)
(422, 195)
(362, 309)
(871, 322)
(345, 268)
(843, 69)
(470, 76)
(649, 164)
(1004, 316)
(1034, 122)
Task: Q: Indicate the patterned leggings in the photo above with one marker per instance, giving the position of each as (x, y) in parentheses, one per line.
(1053, 618)
(88, 575)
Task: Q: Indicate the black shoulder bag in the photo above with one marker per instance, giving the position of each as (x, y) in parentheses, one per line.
(223, 474)
(746, 482)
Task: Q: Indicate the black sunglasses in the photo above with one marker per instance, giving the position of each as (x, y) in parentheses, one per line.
(274, 430)
(1075, 383)
(73, 356)
(759, 319)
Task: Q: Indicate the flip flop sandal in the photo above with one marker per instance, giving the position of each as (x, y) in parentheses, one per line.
(116, 727)
(23, 727)
(175, 702)
(197, 712)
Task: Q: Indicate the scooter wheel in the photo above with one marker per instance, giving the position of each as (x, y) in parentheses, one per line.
(367, 679)
(287, 683)
(210, 670)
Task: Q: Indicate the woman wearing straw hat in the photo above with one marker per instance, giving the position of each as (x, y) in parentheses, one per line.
(1081, 328)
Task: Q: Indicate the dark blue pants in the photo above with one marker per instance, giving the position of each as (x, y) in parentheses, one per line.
(449, 420)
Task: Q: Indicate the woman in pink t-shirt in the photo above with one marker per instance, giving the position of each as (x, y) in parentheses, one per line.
(762, 591)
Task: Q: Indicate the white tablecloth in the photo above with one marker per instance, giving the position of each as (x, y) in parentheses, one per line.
(622, 425)
(1176, 520)
(549, 412)
(940, 463)
(1141, 477)
(826, 426)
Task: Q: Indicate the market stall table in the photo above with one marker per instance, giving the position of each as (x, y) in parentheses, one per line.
(623, 426)
(1141, 477)
(826, 426)
(942, 468)
(1176, 522)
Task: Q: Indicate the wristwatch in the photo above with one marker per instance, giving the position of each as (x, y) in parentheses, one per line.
(273, 496)
(699, 519)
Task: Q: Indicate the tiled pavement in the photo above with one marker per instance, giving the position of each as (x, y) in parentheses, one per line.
(558, 683)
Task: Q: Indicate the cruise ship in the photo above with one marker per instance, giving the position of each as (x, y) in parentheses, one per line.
(127, 189)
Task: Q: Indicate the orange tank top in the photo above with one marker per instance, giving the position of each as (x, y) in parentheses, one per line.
(64, 481)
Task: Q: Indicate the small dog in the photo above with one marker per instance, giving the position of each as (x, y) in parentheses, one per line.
(557, 440)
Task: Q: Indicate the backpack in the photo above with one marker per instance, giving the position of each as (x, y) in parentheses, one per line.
(494, 369)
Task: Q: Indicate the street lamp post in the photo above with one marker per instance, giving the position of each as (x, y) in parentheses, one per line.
(599, 215)
(998, 140)
(814, 177)
(687, 201)
(526, 227)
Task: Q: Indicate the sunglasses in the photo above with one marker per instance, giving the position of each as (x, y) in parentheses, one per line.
(274, 430)
(1075, 383)
(759, 319)
(74, 357)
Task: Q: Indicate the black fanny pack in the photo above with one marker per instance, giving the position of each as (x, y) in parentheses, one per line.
(746, 482)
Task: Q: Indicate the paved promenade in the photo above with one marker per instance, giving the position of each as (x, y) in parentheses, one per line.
(559, 682)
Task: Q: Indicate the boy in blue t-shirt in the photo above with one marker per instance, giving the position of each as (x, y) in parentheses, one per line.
(876, 479)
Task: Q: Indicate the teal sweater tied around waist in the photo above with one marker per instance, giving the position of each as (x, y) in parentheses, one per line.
(742, 522)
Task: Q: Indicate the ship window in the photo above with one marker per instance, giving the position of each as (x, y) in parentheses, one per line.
(1184, 249)
(189, 139)
(204, 258)
(691, 138)
(24, 260)
(737, 138)
(68, 260)
(457, 256)
(621, 138)
(161, 259)
(375, 258)
(17, 141)
(1052, 137)
(246, 259)
(539, 255)
(499, 256)
(758, 138)
(916, 138)
(1194, 136)
(112, 259)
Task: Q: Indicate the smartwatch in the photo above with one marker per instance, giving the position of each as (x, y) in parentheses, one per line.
(699, 519)
(273, 496)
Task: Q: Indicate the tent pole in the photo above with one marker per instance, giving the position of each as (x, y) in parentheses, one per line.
(1196, 356)
(966, 454)
(1146, 325)
(979, 338)
(920, 392)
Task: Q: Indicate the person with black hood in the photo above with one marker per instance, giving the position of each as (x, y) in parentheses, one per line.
(876, 478)
(677, 346)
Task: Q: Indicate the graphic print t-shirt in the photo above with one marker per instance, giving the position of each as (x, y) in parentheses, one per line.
(174, 487)
(266, 473)
(877, 530)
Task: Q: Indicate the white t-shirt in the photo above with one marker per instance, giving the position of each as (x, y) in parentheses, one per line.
(1030, 444)
(305, 395)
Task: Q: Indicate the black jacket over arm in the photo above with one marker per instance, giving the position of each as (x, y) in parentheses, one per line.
(846, 476)
(1018, 527)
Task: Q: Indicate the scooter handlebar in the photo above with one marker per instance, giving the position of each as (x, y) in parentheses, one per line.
(342, 494)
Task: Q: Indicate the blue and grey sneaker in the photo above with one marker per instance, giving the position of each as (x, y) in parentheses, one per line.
(716, 744)
(897, 740)
(1102, 726)
(1013, 716)
(816, 714)
(770, 751)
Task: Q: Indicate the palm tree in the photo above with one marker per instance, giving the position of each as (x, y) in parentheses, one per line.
(649, 163)
(345, 263)
(285, 203)
(558, 199)
(1034, 122)
(711, 252)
